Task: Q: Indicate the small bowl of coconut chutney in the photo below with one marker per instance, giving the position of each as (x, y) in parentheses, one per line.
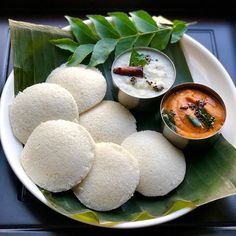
(141, 76)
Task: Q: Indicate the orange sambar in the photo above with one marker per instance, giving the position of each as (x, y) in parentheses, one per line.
(182, 102)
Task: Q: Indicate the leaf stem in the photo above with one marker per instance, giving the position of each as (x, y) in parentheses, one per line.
(141, 34)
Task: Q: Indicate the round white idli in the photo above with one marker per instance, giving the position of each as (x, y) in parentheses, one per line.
(58, 155)
(40, 103)
(87, 85)
(109, 122)
(112, 180)
(162, 166)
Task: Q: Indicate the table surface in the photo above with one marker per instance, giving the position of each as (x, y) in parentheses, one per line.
(21, 213)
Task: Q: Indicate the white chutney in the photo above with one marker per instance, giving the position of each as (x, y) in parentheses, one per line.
(158, 74)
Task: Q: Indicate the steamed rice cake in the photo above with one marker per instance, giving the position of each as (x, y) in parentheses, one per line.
(87, 85)
(58, 155)
(162, 166)
(109, 122)
(112, 180)
(40, 103)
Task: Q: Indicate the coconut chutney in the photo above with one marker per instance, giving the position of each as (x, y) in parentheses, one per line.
(157, 76)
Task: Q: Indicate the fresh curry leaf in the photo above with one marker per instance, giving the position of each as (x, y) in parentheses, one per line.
(137, 59)
(144, 40)
(168, 117)
(194, 121)
(65, 44)
(142, 30)
(161, 39)
(143, 21)
(103, 27)
(80, 54)
(179, 28)
(124, 44)
(81, 31)
(123, 24)
(102, 50)
(206, 118)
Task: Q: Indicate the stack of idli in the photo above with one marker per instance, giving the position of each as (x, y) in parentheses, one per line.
(74, 140)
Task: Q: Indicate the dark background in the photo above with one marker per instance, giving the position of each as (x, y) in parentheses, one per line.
(193, 7)
(20, 212)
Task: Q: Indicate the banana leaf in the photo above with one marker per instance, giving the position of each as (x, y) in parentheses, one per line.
(210, 174)
(33, 56)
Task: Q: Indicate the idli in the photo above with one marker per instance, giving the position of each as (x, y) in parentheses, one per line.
(40, 103)
(162, 166)
(87, 85)
(58, 155)
(112, 180)
(109, 122)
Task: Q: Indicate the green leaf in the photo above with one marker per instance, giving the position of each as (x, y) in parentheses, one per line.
(179, 28)
(144, 40)
(65, 44)
(144, 215)
(161, 39)
(102, 50)
(168, 117)
(107, 74)
(143, 21)
(175, 53)
(125, 30)
(125, 44)
(34, 55)
(86, 216)
(180, 204)
(207, 119)
(103, 27)
(80, 54)
(194, 121)
(81, 31)
(211, 172)
(123, 24)
(137, 59)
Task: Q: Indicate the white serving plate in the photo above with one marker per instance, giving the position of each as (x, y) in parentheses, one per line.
(205, 69)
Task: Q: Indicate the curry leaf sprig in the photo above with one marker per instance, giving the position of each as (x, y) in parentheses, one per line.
(99, 39)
